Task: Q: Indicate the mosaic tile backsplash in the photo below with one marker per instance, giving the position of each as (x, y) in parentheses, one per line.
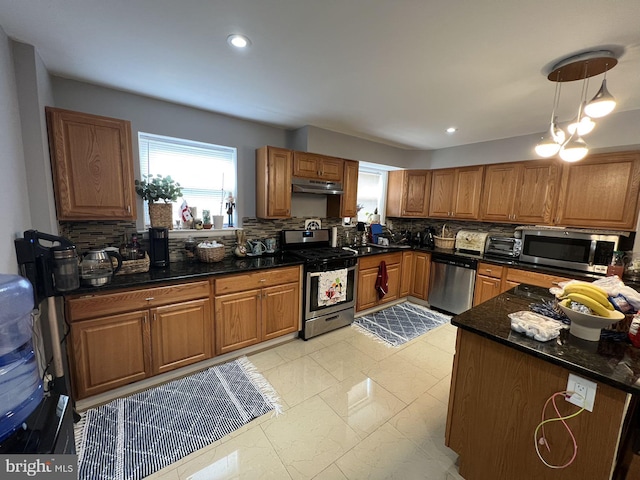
(100, 234)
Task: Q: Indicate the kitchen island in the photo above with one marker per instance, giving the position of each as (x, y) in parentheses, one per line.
(501, 380)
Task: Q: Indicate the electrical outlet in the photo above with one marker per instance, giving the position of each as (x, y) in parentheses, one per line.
(582, 392)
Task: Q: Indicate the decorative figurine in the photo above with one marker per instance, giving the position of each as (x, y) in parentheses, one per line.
(230, 204)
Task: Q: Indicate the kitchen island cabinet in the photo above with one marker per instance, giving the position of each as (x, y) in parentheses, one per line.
(408, 193)
(122, 337)
(273, 182)
(92, 166)
(455, 193)
(501, 380)
(600, 191)
(254, 307)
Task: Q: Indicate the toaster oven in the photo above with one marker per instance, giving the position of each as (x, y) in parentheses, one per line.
(508, 247)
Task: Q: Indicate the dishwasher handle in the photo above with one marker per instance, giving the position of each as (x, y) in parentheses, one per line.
(459, 262)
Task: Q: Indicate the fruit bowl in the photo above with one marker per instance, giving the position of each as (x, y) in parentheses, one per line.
(587, 326)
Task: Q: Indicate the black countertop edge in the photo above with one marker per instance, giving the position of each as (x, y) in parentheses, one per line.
(185, 271)
(614, 363)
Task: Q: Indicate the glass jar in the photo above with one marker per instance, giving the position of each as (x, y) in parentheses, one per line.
(190, 249)
(66, 274)
(617, 265)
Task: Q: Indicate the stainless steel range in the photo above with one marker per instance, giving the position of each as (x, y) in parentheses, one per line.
(330, 280)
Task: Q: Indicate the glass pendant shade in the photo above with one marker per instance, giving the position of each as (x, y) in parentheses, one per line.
(556, 132)
(547, 147)
(575, 149)
(601, 104)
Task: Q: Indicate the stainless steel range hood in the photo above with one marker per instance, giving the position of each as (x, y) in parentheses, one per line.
(323, 187)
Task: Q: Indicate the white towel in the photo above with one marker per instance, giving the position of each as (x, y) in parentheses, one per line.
(332, 287)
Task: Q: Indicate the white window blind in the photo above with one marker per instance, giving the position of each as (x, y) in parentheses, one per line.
(371, 192)
(206, 172)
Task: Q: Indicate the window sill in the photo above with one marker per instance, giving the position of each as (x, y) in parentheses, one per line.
(184, 233)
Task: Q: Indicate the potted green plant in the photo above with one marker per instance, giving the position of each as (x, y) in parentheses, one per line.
(159, 191)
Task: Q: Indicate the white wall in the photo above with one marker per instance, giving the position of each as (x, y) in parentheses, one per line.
(164, 118)
(34, 92)
(14, 201)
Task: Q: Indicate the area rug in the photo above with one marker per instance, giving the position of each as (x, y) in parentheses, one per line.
(400, 323)
(135, 436)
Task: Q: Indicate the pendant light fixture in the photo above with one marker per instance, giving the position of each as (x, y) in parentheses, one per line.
(570, 145)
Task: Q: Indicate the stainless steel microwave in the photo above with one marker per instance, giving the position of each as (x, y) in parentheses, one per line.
(584, 251)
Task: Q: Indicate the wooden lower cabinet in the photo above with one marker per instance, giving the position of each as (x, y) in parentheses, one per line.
(420, 275)
(123, 337)
(181, 335)
(406, 279)
(516, 276)
(367, 295)
(269, 308)
(485, 289)
(109, 352)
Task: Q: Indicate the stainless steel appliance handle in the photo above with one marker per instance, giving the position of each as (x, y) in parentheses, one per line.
(317, 274)
(592, 252)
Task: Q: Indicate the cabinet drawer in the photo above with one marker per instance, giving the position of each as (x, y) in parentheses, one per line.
(100, 304)
(374, 260)
(263, 278)
(533, 278)
(490, 270)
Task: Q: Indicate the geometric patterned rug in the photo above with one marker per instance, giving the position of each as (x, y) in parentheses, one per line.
(135, 436)
(400, 323)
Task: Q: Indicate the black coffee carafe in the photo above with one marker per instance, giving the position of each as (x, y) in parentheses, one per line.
(427, 240)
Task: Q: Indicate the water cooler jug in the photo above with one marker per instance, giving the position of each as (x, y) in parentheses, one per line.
(20, 384)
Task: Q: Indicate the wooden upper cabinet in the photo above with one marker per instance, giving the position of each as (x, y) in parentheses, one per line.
(92, 166)
(600, 191)
(345, 205)
(522, 192)
(316, 166)
(455, 193)
(408, 193)
(273, 182)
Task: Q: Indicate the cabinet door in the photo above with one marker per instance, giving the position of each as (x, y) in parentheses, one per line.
(468, 188)
(331, 168)
(442, 191)
(92, 166)
(516, 277)
(486, 288)
(109, 352)
(415, 193)
(421, 272)
(367, 295)
(273, 182)
(306, 165)
(181, 334)
(407, 273)
(498, 195)
(393, 275)
(535, 196)
(345, 205)
(280, 310)
(600, 192)
(237, 320)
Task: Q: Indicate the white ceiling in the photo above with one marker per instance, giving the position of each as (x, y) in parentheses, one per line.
(394, 71)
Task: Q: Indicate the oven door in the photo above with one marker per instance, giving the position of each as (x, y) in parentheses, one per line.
(316, 303)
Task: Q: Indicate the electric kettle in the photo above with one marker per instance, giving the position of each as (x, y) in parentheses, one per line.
(96, 268)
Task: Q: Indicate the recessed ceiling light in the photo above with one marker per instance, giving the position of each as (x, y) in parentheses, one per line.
(452, 130)
(238, 41)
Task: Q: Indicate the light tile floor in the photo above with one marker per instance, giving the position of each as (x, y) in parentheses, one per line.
(353, 408)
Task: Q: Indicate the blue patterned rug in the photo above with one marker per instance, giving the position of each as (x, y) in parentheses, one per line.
(400, 323)
(133, 437)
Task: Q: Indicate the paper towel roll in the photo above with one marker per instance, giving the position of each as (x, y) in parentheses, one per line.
(334, 237)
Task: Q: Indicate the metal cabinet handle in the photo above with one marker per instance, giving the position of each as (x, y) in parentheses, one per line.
(128, 208)
(488, 270)
(148, 299)
(263, 280)
(154, 317)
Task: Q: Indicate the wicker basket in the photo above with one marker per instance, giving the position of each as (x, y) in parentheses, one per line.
(444, 242)
(211, 254)
(135, 266)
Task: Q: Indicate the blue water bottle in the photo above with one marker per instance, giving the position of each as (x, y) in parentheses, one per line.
(20, 384)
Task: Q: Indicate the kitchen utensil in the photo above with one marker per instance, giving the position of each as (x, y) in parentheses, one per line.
(96, 268)
(256, 247)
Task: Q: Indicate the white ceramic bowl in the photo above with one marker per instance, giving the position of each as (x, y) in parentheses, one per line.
(587, 326)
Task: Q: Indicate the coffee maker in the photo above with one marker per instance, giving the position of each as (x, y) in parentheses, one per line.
(427, 239)
(159, 246)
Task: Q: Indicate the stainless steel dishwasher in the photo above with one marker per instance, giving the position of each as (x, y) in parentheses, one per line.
(452, 281)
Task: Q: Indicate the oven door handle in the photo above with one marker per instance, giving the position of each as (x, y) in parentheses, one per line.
(317, 274)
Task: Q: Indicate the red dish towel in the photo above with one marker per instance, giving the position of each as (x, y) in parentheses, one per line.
(382, 282)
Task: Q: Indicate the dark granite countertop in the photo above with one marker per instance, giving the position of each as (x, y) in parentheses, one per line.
(181, 271)
(608, 361)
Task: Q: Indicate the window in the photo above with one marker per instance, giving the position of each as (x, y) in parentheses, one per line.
(206, 172)
(372, 190)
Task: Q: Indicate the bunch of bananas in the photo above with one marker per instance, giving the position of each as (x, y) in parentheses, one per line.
(590, 296)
